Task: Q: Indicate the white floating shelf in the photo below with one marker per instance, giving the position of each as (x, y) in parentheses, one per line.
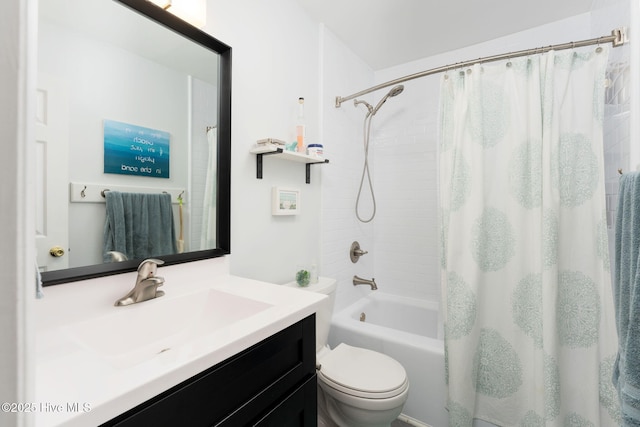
(287, 155)
(269, 149)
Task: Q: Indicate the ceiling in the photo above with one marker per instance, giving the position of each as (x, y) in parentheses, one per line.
(385, 33)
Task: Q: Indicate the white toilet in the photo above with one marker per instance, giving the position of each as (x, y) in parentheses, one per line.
(356, 387)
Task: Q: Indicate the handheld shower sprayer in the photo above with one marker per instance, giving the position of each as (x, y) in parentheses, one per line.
(396, 90)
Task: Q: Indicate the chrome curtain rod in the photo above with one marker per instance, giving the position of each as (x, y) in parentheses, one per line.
(617, 38)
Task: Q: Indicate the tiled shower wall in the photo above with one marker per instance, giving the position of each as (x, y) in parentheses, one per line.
(404, 148)
(343, 74)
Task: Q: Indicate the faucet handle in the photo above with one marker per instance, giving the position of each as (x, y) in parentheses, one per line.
(355, 252)
(148, 267)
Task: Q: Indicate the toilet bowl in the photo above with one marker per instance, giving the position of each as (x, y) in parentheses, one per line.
(357, 387)
(360, 387)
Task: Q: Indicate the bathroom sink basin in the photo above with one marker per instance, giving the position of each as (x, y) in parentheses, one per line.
(135, 333)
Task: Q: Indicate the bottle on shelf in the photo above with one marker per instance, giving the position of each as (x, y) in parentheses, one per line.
(300, 127)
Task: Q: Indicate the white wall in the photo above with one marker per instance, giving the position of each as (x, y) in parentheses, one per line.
(275, 61)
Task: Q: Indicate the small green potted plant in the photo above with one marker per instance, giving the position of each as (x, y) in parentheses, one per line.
(303, 277)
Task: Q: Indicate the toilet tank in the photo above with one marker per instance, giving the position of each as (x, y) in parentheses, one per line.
(326, 286)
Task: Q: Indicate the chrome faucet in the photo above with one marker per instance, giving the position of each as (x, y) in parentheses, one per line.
(360, 281)
(116, 256)
(147, 283)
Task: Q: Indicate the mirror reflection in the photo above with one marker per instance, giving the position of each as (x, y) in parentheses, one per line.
(128, 137)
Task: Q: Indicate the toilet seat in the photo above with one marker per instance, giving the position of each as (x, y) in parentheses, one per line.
(362, 373)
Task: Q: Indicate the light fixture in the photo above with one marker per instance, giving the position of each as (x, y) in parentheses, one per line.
(192, 11)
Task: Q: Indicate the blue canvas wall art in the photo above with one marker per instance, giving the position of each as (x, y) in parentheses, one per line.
(135, 150)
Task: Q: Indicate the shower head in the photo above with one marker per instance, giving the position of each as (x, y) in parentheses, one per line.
(396, 90)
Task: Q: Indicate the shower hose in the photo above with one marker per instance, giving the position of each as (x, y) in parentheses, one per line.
(365, 171)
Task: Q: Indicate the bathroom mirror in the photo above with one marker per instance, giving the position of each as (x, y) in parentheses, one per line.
(131, 63)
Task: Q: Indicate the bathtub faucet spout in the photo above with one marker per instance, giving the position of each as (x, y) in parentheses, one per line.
(360, 281)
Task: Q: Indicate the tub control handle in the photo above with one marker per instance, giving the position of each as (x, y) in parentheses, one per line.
(355, 252)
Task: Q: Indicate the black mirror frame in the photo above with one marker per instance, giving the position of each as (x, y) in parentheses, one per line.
(223, 222)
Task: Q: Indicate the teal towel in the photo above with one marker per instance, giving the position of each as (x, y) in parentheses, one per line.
(626, 287)
(139, 225)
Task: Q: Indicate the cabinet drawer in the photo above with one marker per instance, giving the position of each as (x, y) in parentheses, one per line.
(299, 409)
(245, 386)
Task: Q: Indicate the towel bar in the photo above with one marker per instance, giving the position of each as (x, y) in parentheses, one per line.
(95, 193)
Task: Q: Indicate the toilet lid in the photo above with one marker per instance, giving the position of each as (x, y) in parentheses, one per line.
(362, 370)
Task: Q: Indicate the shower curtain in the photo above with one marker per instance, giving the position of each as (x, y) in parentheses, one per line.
(208, 236)
(530, 336)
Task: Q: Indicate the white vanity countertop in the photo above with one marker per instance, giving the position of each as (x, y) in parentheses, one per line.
(85, 377)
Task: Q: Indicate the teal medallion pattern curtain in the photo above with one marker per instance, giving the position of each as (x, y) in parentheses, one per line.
(530, 334)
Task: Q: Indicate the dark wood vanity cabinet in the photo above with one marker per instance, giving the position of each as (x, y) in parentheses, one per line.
(272, 383)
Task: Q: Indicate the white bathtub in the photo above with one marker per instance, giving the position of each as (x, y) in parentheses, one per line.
(407, 330)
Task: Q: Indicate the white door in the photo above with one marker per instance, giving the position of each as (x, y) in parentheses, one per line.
(52, 182)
